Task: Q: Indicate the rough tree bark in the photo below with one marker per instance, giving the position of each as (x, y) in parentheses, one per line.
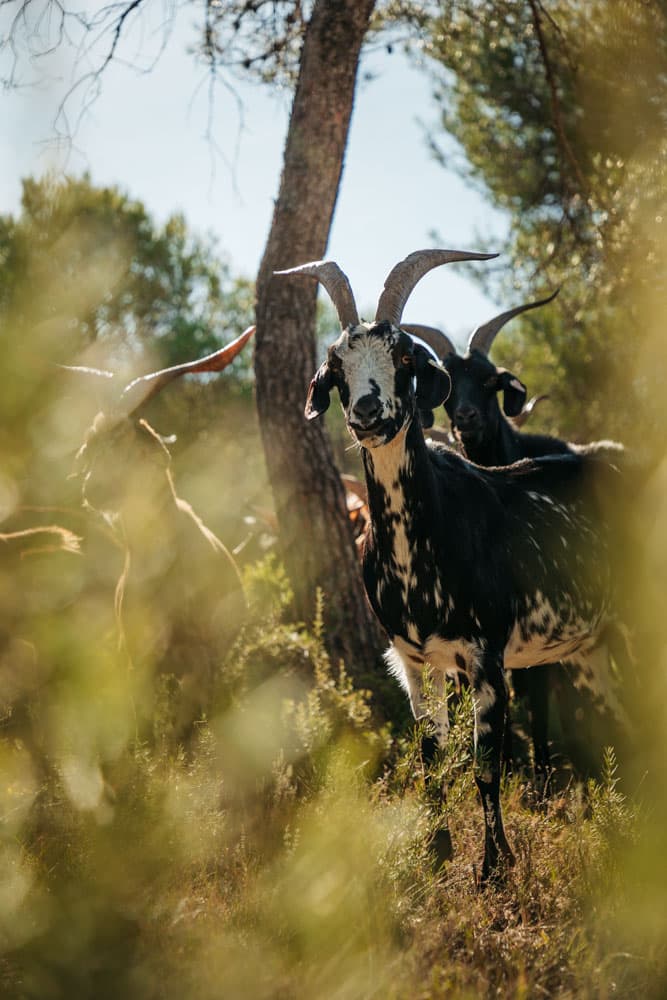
(315, 534)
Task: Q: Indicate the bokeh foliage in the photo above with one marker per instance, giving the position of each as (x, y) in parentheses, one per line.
(90, 263)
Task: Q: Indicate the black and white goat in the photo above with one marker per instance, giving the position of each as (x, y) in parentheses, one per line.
(466, 568)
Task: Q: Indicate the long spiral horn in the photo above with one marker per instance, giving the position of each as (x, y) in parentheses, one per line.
(140, 390)
(405, 275)
(329, 274)
(436, 339)
(482, 338)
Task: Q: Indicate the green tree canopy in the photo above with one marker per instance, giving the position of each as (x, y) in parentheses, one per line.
(92, 264)
(560, 110)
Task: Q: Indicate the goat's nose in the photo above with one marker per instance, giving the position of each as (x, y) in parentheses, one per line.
(367, 410)
(465, 414)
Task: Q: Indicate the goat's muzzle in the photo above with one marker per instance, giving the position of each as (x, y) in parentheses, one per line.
(367, 412)
(379, 431)
(467, 425)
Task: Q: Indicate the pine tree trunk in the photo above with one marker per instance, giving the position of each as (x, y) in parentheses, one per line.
(315, 533)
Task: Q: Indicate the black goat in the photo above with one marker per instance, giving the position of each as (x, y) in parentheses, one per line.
(466, 568)
(486, 436)
(489, 439)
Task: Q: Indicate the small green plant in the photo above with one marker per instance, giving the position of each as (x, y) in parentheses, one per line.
(613, 817)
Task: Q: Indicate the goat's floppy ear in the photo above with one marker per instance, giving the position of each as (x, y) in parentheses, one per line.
(433, 382)
(514, 392)
(318, 399)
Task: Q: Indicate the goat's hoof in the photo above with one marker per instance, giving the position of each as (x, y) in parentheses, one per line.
(441, 848)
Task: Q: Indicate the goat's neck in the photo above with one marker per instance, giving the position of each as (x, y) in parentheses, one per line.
(395, 469)
(404, 505)
(500, 448)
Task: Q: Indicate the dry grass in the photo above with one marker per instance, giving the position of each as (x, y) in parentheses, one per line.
(285, 854)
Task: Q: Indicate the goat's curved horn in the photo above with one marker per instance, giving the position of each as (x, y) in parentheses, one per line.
(482, 338)
(141, 389)
(528, 409)
(436, 339)
(403, 278)
(329, 274)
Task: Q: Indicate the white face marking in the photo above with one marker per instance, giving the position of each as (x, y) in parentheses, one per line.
(369, 369)
(367, 365)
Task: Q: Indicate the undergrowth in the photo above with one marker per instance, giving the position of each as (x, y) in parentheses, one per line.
(283, 851)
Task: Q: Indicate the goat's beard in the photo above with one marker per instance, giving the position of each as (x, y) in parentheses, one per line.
(388, 430)
(469, 438)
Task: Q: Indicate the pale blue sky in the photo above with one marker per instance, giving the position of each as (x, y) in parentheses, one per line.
(146, 132)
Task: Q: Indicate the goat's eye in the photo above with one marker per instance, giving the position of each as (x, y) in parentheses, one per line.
(406, 360)
(491, 383)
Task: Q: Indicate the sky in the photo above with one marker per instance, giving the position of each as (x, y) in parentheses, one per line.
(146, 132)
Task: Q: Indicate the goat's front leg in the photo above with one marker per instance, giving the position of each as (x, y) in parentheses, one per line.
(489, 686)
(431, 745)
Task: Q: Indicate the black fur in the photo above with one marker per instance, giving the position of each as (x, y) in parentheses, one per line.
(318, 399)
(488, 439)
(478, 424)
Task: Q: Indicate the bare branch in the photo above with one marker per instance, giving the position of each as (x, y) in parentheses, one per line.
(117, 32)
(259, 38)
(556, 110)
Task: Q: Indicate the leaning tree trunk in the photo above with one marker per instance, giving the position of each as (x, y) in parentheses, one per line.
(315, 534)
